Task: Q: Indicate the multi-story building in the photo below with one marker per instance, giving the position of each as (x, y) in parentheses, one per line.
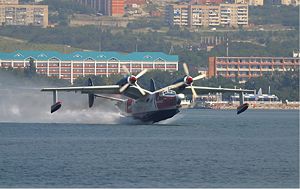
(248, 67)
(233, 15)
(290, 2)
(250, 2)
(207, 15)
(178, 15)
(99, 5)
(9, 2)
(77, 64)
(192, 2)
(15, 14)
(106, 7)
(117, 7)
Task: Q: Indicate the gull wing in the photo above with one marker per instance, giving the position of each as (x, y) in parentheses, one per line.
(206, 90)
(202, 90)
(108, 89)
(131, 91)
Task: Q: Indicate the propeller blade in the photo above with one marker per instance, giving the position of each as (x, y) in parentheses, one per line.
(176, 85)
(141, 73)
(141, 89)
(199, 77)
(126, 70)
(124, 87)
(194, 92)
(186, 69)
(161, 90)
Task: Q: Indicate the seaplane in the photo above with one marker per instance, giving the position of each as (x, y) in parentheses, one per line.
(149, 106)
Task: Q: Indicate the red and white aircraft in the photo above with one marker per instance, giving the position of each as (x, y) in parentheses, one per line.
(149, 106)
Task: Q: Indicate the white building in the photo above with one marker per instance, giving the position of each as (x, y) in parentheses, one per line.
(78, 64)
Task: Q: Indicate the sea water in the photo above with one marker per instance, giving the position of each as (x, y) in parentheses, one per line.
(197, 148)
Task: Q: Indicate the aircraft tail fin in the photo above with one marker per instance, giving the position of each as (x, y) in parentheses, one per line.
(152, 85)
(259, 92)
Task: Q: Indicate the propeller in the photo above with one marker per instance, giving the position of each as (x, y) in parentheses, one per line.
(132, 80)
(188, 80)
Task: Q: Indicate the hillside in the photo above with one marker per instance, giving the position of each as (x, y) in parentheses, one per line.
(8, 44)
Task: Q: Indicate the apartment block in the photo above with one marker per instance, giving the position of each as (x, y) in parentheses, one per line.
(36, 15)
(248, 67)
(250, 2)
(232, 15)
(208, 15)
(290, 2)
(100, 6)
(13, 13)
(106, 7)
(177, 15)
(9, 2)
(205, 1)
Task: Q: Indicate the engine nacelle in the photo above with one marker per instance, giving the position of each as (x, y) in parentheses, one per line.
(130, 80)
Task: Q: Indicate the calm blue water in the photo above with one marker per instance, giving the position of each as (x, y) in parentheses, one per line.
(200, 148)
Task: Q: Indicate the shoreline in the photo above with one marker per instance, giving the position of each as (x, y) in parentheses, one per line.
(264, 107)
(252, 106)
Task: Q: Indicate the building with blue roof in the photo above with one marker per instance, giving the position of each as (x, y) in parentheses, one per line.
(82, 63)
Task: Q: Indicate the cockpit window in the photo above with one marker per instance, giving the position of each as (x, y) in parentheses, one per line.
(169, 93)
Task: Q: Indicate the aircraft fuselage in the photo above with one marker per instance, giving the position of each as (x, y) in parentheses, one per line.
(152, 108)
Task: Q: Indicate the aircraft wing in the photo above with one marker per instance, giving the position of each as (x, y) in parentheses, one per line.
(206, 90)
(109, 89)
(131, 91)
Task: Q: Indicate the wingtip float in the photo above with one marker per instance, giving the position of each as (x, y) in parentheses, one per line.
(242, 108)
(55, 107)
